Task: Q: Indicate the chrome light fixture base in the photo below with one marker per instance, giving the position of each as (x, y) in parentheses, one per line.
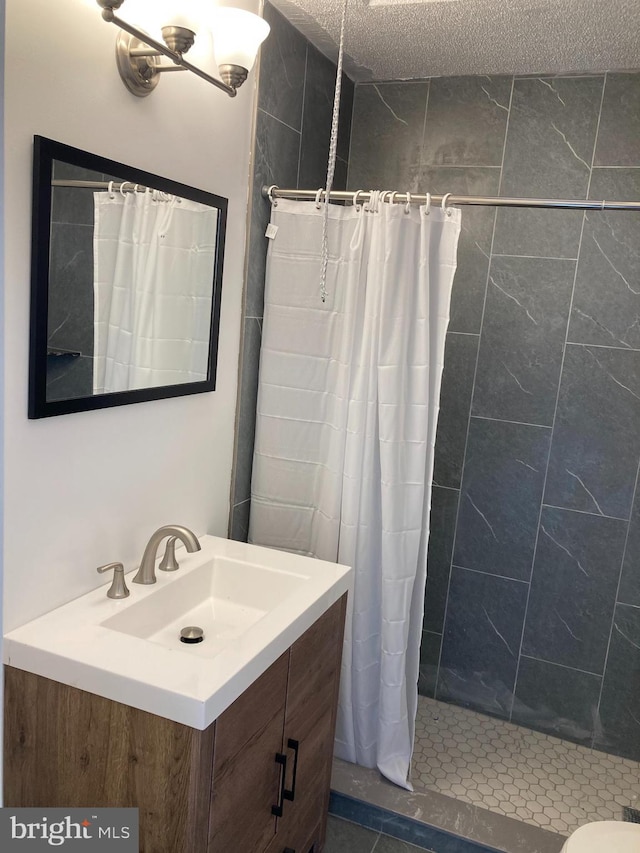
(139, 73)
(233, 75)
(178, 39)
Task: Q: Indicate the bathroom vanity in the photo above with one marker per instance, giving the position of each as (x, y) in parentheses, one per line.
(255, 779)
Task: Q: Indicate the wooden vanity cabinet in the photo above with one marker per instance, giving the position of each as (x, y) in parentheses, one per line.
(211, 791)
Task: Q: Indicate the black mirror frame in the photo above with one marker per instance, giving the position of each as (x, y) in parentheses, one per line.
(45, 151)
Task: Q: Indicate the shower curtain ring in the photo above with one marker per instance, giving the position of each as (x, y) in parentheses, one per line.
(392, 197)
(355, 199)
(110, 190)
(318, 195)
(427, 205)
(122, 186)
(407, 207)
(274, 201)
(445, 199)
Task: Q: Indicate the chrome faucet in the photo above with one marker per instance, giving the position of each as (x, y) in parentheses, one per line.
(147, 571)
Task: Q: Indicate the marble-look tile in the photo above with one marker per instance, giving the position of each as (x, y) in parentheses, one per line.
(343, 835)
(239, 524)
(523, 333)
(386, 135)
(556, 700)
(549, 149)
(340, 174)
(606, 304)
(69, 377)
(619, 132)
(619, 718)
(246, 425)
(455, 402)
(573, 588)
(596, 443)
(70, 314)
(466, 121)
(347, 94)
(481, 641)
(429, 659)
(474, 246)
(442, 528)
(537, 233)
(72, 205)
(629, 592)
(387, 844)
(282, 69)
(500, 497)
(276, 162)
(316, 121)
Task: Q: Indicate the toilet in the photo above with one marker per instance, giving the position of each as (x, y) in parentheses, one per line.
(605, 836)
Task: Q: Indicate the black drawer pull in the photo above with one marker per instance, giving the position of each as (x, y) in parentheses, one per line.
(290, 794)
(282, 760)
(288, 850)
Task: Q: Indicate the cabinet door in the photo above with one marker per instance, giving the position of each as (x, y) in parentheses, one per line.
(246, 777)
(312, 693)
(65, 747)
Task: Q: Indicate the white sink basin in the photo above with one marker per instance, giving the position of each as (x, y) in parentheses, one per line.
(224, 597)
(252, 604)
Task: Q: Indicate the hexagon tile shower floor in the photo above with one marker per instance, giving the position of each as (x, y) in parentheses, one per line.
(518, 772)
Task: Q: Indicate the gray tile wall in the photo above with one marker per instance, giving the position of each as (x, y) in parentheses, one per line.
(532, 609)
(295, 105)
(71, 287)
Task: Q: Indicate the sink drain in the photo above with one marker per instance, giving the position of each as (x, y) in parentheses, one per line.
(191, 634)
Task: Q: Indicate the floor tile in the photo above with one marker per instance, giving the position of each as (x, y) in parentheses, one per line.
(513, 771)
(345, 837)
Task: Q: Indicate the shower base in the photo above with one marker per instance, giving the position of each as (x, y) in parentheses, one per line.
(516, 772)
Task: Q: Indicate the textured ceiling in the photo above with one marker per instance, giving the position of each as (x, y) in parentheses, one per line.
(397, 39)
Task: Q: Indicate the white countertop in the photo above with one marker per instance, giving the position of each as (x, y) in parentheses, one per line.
(188, 684)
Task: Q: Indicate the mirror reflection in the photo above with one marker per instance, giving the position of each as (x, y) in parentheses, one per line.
(126, 294)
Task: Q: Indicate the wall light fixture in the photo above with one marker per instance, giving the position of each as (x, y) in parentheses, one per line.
(237, 35)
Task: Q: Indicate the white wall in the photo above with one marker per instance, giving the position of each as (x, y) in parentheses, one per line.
(84, 489)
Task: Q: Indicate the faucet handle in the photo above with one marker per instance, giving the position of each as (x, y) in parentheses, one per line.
(118, 588)
(169, 563)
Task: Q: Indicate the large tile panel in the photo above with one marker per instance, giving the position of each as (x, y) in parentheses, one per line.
(386, 135)
(442, 528)
(573, 588)
(596, 441)
(500, 498)
(466, 121)
(455, 402)
(629, 592)
(522, 340)
(619, 132)
(556, 700)
(481, 641)
(548, 154)
(606, 304)
(316, 124)
(282, 70)
(619, 717)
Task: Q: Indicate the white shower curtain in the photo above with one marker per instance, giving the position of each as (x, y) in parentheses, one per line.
(154, 258)
(346, 424)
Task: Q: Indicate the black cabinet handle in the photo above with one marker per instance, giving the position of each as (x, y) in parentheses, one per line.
(290, 794)
(288, 850)
(282, 760)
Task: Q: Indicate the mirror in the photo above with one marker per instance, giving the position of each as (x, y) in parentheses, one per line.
(125, 284)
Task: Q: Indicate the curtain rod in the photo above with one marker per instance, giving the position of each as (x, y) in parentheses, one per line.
(98, 185)
(274, 192)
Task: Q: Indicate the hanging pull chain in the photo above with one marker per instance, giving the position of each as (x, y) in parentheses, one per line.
(331, 165)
